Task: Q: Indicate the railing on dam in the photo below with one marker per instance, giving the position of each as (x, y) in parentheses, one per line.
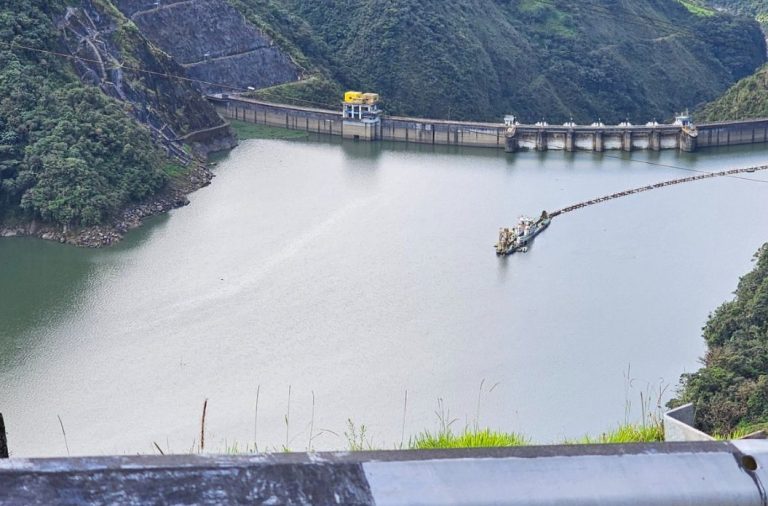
(701, 473)
(512, 138)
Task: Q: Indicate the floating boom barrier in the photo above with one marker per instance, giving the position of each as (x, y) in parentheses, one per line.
(663, 184)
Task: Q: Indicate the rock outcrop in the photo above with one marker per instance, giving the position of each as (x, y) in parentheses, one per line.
(107, 234)
(115, 57)
(213, 42)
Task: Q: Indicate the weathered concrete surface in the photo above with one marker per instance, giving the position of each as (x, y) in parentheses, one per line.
(678, 425)
(713, 473)
(278, 115)
(450, 133)
(732, 133)
(630, 479)
(214, 42)
(181, 480)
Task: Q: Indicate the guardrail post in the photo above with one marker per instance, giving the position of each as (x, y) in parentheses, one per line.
(3, 439)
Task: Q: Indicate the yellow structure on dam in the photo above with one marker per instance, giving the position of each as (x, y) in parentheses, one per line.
(362, 116)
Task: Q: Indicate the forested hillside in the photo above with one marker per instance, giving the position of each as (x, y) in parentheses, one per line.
(731, 390)
(73, 151)
(752, 8)
(746, 99)
(481, 59)
(749, 97)
(68, 153)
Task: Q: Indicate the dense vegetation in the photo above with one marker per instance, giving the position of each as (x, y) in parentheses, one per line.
(488, 438)
(68, 154)
(746, 99)
(481, 59)
(731, 391)
(753, 8)
(749, 97)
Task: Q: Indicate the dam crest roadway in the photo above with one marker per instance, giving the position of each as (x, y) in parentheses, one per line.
(510, 135)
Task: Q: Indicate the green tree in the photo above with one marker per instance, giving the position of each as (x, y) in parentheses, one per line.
(731, 390)
(69, 154)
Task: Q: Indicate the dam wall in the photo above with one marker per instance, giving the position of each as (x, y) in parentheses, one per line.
(278, 115)
(592, 138)
(732, 133)
(323, 121)
(448, 133)
(511, 138)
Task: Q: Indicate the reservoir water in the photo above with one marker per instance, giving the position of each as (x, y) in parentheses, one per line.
(351, 273)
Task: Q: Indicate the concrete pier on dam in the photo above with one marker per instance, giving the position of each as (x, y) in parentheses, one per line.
(597, 138)
(510, 136)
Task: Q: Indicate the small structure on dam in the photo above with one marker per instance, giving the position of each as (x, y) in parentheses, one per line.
(362, 116)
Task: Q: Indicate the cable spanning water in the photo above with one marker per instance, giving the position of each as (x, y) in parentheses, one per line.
(707, 175)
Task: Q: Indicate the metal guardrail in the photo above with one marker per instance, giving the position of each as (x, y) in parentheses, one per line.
(701, 473)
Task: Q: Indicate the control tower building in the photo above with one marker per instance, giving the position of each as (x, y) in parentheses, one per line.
(362, 116)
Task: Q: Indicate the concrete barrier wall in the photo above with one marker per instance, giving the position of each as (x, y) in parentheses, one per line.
(704, 474)
(318, 121)
(733, 133)
(442, 132)
(678, 425)
(421, 131)
(492, 135)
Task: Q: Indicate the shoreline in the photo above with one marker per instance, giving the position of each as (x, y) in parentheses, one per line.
(132, 216)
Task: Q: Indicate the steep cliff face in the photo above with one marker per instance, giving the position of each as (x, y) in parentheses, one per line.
(115, 57)
(213, 42)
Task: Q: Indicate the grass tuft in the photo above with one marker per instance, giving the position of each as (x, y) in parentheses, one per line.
(742, 431)
(483, 438)
(629, 433)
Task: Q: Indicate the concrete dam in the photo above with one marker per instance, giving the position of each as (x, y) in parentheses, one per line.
(509, 136)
